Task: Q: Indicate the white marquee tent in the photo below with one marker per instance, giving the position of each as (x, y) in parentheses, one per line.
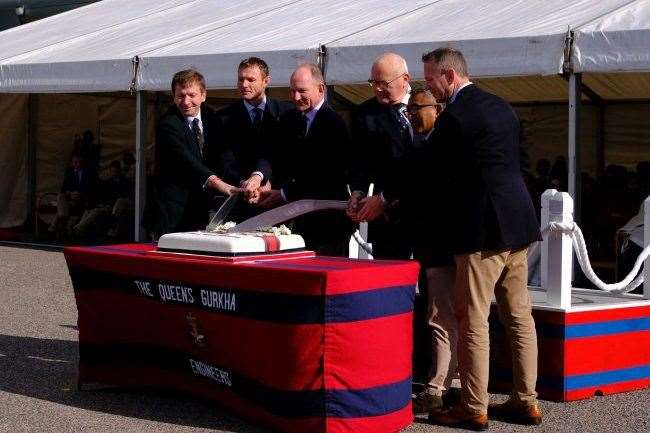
(517, 48)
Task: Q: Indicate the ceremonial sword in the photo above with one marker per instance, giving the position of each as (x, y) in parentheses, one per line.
(285, 213)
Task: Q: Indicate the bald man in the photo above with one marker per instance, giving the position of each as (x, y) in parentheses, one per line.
(310, 163)
(382, 140)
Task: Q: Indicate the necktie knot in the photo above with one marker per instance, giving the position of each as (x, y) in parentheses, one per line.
(400, 113)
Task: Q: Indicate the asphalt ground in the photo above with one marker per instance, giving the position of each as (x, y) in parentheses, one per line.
(38, 371)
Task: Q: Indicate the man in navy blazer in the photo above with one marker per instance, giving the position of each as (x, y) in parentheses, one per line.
(250, 130)
(492, 221)
(179, 198)
(310, 163)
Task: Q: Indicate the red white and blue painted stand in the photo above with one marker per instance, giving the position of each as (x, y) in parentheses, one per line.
(293, 342)
(590, 342)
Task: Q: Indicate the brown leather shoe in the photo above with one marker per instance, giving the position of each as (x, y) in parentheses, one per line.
(425, 402)
(460, 418)
(516, 413)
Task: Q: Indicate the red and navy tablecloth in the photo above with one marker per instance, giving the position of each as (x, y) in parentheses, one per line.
(299, 344)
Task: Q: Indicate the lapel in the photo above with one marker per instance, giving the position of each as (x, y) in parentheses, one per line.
(189, 134)
(389, 124)
(315, 126)
(205, 121)
(271, 109)
(242, 113)
(462, 95)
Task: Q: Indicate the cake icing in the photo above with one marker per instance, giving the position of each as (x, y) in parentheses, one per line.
(218, 241)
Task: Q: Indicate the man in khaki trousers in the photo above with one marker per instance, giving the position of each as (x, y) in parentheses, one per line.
(491, 221)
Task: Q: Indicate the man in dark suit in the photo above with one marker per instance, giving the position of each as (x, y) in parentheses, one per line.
(183, 180)
(382, 139)
(310, 163)
(250, 131)
(77, 194)
(492, 221)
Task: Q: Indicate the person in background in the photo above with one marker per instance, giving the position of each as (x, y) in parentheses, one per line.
(77, 194)
(114, 203)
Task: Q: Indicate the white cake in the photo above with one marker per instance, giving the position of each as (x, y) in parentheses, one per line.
(220, 243)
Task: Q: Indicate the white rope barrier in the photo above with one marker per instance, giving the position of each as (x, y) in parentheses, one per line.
(628, 284)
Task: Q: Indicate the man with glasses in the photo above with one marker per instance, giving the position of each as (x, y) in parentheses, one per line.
(433, 253)
(382, 138)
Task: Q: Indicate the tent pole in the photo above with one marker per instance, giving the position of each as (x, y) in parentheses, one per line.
(140, 162)
(600, 141)
(574, 178)
(31, 160)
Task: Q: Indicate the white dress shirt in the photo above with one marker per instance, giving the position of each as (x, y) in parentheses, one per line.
(250, 107)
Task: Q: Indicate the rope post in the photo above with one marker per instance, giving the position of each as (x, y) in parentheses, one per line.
(646, 243)
(557, 249)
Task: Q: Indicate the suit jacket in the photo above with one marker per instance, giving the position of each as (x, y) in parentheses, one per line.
(177, 201)
(381, 154)
(313, 167)
(245, 149)
(482, 153)
(85, 185)
(379, 150)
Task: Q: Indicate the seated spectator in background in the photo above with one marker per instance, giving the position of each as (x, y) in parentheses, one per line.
(90, 151)
(631, 246)
(115, 200)
(77, 194)
(559, 174)
(128, 165)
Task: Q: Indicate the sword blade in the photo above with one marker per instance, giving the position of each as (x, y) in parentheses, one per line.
(287, 212)
(223, 211)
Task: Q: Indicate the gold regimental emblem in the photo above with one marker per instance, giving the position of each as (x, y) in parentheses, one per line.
(198, 338)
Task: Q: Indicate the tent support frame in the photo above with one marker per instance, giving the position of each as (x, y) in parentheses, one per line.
(30, 163)
(140, 163)
(575, 96)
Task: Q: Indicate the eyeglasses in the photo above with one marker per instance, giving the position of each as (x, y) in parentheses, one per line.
(412, 109)
(383, 84)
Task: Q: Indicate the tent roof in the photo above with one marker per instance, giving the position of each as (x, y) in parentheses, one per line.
(91, 49)
(615, 42)
(284, 37)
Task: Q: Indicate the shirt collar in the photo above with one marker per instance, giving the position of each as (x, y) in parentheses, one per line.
(312, 113)
(407, 95)
(190, 119)
(455, 94)
(250, 107)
